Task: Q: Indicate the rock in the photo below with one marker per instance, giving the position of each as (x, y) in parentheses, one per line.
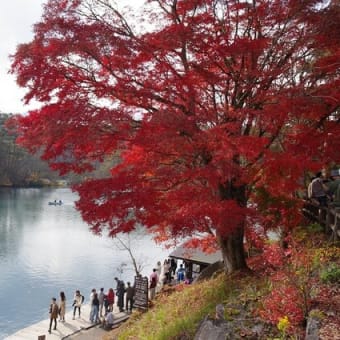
(213, 330)
(230, 322)
(258, 329)
(313, 326)
(208, 272)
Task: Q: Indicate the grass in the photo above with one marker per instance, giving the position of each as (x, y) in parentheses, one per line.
(178, 311)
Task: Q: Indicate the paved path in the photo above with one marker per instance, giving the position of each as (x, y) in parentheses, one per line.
(64, 329)
(95, 333)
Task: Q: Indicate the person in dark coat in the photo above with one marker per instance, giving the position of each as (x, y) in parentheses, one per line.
(54, 311)
(95, 309)
(130, 292)
(120, 290)
(173, 266)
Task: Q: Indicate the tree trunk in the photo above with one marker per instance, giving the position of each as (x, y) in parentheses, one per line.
(232, 244)
(233, 251)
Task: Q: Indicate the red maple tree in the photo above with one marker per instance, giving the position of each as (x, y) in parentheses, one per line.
(216, 107)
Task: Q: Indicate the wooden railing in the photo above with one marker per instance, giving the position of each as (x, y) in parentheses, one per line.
(328, 217)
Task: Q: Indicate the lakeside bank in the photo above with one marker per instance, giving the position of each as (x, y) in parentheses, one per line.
(65, 330)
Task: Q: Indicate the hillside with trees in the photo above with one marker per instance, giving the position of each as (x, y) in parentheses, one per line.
(18, 167)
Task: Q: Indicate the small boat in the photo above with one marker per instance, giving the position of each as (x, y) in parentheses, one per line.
(55, 202)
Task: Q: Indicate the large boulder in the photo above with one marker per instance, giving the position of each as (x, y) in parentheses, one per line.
(211, 270)
(237, 326)
(312, 329)
(213, 330)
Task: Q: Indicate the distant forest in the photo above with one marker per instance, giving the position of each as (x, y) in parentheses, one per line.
(19, 168)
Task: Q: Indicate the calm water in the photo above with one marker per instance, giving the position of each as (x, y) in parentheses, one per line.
(45, 249)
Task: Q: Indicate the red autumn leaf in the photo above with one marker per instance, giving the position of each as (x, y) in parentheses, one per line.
(217, 109)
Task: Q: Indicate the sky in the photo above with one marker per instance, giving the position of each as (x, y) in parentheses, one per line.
(16, 26)
(17, 18)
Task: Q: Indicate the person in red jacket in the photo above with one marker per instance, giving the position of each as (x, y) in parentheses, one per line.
(110, 297)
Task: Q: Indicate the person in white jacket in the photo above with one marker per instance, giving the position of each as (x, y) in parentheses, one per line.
(77, 302)
(93, 292)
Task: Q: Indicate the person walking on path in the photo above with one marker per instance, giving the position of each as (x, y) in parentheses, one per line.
(95, 309)
(159, 268)
(53, 314)
(153, 283)
(101, 297)
(159, 281)
(93, 292)
(110, 298)
(130, 292)
(173, 266)
(77, 302)
(62, 307)
(120, 290)
(166, 271)
(180, 273)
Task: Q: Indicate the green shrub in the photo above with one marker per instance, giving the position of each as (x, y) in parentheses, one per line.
(315, 228)
(330, 274)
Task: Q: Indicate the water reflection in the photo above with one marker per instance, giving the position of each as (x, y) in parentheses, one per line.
(45, 249)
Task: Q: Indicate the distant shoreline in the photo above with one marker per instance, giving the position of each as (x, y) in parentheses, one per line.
(35, 186)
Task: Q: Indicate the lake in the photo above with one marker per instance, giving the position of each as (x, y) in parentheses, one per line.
(45, 249)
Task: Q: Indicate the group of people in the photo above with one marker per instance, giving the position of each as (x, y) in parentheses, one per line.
(128, 291)
(102, 303)
(166, 274)
(325, 190)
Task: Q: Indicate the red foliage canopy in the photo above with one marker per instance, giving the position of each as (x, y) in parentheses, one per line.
(216, 107)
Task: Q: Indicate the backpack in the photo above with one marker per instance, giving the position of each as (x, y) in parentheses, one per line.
(82, 298)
